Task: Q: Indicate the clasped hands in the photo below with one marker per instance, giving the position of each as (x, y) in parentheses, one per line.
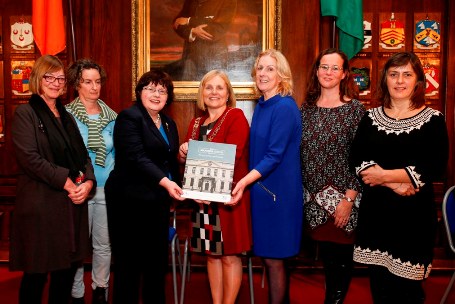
(374, 176)
(78, 193)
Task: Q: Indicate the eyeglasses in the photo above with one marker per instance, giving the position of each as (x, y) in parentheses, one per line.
(153, 90)
(334, 68)
(51, 79)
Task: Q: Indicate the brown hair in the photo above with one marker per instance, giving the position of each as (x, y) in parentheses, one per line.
(398, 60)
(348, 87)
(74, 73)
(155, 77)
(44, 64)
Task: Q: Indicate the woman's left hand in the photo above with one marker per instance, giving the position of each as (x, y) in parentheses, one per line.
(342, 213)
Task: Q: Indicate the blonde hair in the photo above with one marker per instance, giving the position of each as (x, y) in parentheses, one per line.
(285, 87)
(44, 64)
(231, 102)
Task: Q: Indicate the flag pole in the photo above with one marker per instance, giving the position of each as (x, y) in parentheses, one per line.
(333, 31)
(73, 40)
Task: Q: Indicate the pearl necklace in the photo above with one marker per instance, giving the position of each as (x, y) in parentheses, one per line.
(157, 121)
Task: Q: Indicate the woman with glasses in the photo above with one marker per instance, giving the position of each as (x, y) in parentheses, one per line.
(330, 115)
(95, 121)
(139, 192)
(49, 229)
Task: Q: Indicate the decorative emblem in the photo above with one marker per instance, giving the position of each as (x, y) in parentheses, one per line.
(428, 34)
(362, 79)
(20, 78)
(21, 36)
(366, 34)
(392, 34)
(432, 80)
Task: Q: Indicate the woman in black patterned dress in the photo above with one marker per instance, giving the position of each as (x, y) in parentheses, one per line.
(399, 150)
(330, 115)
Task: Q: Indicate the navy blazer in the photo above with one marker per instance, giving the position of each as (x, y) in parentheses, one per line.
(142, 156)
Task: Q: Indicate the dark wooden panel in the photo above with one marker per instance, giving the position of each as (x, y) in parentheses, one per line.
(300, 33)
(182, 112)
(103, 33)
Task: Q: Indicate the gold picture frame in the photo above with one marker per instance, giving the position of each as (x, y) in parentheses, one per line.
(186, 90)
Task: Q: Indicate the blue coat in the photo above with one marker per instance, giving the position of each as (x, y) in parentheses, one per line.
(277, 197)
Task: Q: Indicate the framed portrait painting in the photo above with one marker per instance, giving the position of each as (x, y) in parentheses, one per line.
(187, 38)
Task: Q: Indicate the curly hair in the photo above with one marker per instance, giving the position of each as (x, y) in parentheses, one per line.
(74, 72)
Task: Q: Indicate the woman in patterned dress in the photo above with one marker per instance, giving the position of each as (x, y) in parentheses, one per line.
(222, 232)
(330, 115)
(399, 150)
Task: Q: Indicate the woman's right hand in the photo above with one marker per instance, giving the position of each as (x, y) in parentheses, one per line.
(237, 192)
(172, 188)
(183, 151)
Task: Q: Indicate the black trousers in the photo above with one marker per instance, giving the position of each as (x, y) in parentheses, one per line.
(61, 281)
(338, 264)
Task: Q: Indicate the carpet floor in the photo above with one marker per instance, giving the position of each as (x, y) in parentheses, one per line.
(307, 286)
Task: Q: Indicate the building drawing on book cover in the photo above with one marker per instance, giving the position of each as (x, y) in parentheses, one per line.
(209, 171)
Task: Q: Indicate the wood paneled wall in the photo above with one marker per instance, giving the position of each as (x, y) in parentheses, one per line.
(103, 32)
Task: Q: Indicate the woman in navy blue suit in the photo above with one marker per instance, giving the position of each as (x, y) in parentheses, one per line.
(139, 192)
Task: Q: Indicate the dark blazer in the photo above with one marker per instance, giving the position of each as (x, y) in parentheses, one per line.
(48, 231)
(142, 159)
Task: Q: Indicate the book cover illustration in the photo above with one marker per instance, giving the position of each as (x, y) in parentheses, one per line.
(209, 171)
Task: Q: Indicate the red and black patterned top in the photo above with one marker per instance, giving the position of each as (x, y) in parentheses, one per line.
(327, 134)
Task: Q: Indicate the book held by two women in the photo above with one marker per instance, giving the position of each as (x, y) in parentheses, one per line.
(209, 171)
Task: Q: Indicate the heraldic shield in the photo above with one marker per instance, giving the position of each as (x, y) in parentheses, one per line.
(392, 33)
(427, 34)
(21, 35)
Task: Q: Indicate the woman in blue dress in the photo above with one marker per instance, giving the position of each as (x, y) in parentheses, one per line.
(275, 179)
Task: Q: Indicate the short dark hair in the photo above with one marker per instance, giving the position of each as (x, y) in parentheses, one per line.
(74, 72)
(398, 60)
(155, 77)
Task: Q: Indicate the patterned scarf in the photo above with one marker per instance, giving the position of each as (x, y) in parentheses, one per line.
(95, 140)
